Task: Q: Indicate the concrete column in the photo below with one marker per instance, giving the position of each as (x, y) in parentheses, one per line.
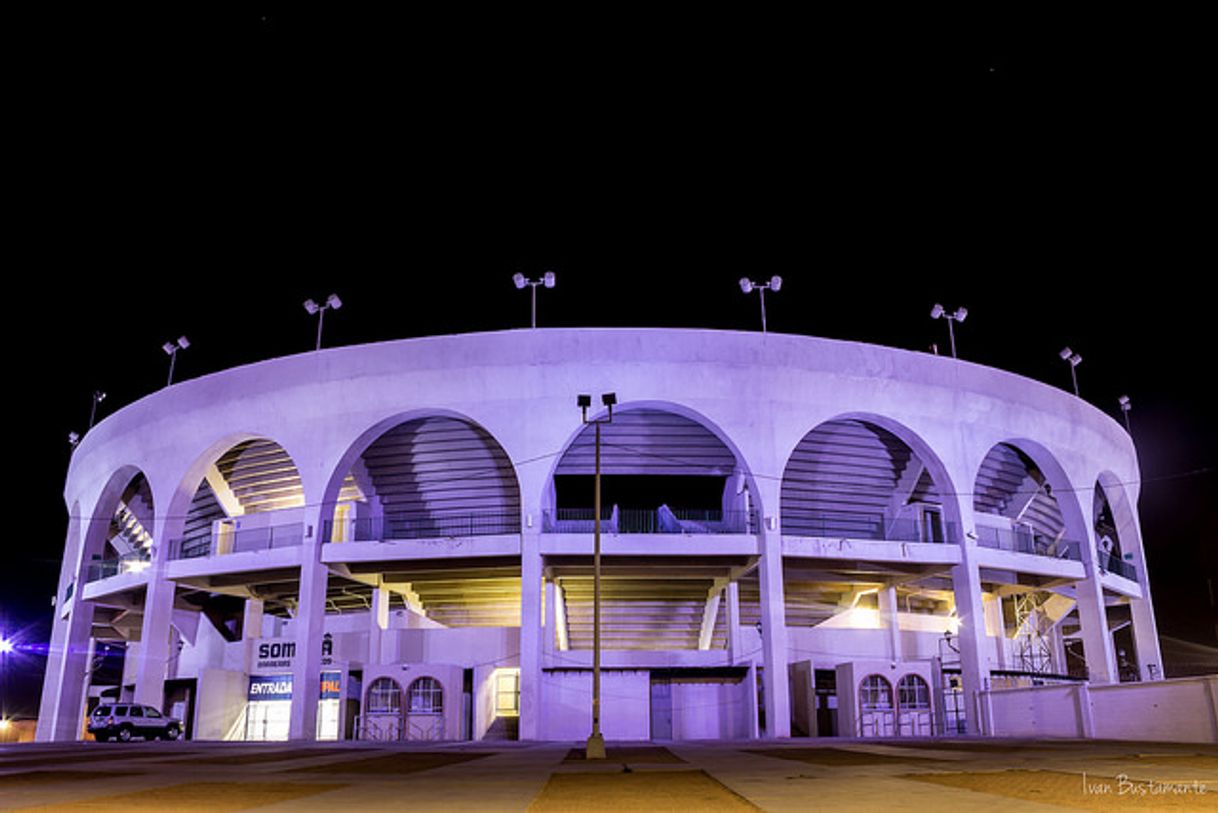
(378, 623)
(774, 637)
(1097, 641)
(154, 652)
(60, 713)
(531, 707)
(734, 651)
(551, 619)
(86, 682)
(308, 627)
(251, 629)
(1146, 639)
(888, 611)
(971, 638)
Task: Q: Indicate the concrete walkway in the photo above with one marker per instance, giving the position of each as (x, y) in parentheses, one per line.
(789, 775)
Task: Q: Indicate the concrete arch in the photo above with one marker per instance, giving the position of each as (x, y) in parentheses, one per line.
(743, 468)
(1064, 492)
(939, 474)
(191, 480)
(356, 448)
(95, 527)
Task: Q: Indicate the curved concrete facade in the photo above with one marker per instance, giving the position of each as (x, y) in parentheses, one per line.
(759, 395)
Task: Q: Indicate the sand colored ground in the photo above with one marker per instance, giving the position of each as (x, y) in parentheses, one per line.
(645, 792)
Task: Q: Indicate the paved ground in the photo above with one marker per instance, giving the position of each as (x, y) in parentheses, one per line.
(956, 774)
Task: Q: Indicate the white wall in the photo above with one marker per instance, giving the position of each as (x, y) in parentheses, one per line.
(1181, 710)
(709, 709)
(625, 705)
(220, 702)
(1043, 711)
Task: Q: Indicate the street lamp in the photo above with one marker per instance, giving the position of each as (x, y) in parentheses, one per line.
(1125, 407)
(748, 286)
(938, 312)
(73, 439)
(521, 280)
(1073, 359)
(595, 747)
(312, 307)
(171, 349)
(98, 397)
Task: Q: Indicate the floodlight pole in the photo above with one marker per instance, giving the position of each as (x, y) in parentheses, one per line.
(951, 334)
(98, 397)
(595, 747)
(748, 286)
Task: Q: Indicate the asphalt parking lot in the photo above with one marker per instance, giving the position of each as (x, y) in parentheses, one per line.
(789, 775)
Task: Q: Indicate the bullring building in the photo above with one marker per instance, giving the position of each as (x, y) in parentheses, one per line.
(800, 537)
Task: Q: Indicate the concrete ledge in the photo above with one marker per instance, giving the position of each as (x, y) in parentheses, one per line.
(343, 552)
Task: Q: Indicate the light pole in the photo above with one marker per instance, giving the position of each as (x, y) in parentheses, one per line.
(748, 286)
(6, 647)
(1073, 359)
(171, 349)
(98, 397)
(521, 280)
(938, 312)
(1125, 407)
(595, 747)
(332, 301)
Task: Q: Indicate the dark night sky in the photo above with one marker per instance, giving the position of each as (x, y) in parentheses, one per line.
(184, 172)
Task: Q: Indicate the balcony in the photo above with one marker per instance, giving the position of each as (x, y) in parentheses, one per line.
(238, 540)
(1113, 564)
(134, 562)
(664, 520)
(393, 527)
(929, 528)
(1023, 541)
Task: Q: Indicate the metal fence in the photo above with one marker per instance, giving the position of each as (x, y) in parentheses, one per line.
(127, 563)
(238, 540)
(873, 527)
(413, 526)
(1020, 541)
(640, 521)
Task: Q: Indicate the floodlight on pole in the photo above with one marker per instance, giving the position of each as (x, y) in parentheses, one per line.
(171, 349)
(748, 286)
(332, 303)
(1073, 359)
(1125, 407)
(939, 312)
(73, 439)
(595, 747)
(520, 281)
(98, 397)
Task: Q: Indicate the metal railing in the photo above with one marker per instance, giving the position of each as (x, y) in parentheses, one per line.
(1114, 564)
(412, 526)
(639, 521)
(872, 527)
(1019, 541)
(238, 540)
(133, 562)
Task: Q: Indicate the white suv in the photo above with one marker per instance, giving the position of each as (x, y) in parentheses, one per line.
(125, 721)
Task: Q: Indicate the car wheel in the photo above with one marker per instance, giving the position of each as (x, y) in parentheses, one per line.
(172, 733)
(124, 734)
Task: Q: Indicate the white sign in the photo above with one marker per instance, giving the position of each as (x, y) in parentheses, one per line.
(280, 653)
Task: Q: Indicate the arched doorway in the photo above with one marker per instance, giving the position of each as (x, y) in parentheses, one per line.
(425, 710)
(913, 707)
(382, 717)
(877, 715)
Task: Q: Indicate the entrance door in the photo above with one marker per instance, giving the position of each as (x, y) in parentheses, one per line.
(661, 709)
(877, 715)
(913, 707)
